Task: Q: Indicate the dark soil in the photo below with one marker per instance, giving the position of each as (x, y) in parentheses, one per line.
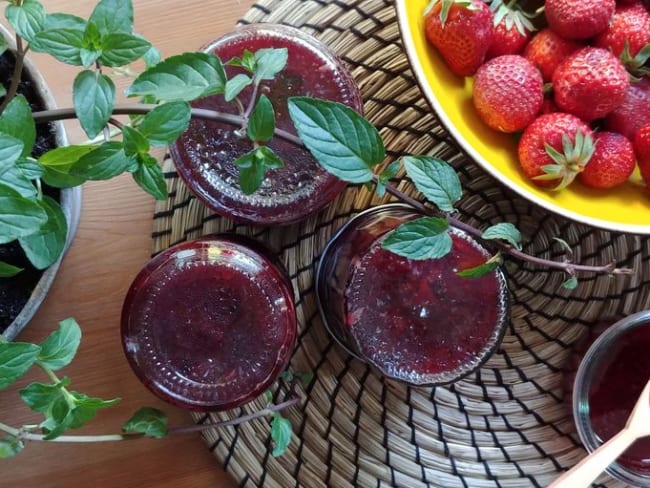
(14, 292)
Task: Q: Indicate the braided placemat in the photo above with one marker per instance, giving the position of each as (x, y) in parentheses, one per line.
(505, 426)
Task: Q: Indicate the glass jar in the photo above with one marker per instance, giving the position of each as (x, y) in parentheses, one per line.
(209, 324)
(608, 382)
(415, 321)
(205, 153)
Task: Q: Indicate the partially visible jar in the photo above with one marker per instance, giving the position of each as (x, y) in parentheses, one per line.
(210, 324)
(414, 321)
(205, 153)
(610, 377)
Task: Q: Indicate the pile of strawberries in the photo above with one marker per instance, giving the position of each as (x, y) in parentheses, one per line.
(571, 76)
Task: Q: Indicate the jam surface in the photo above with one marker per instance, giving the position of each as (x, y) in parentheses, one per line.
(210, 327)
(614, 393)
(204, 155)
(418, 318)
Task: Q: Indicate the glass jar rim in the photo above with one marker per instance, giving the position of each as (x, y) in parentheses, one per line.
(582, 385)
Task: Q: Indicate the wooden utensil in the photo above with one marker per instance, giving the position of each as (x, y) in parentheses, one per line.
(587, 470)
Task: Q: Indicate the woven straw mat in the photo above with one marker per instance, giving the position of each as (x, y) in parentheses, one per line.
(506, 425)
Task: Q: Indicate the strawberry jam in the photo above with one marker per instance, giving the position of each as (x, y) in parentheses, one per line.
(615, 390)
(204, 155)
(416, 321)
(209, 324)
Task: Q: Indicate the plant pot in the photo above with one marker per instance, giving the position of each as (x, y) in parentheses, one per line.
(70, 200)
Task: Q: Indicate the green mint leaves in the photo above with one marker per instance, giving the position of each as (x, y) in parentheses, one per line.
(16, 358)
(147, 421)
(340, 139)
(423, 238)
(435, 179)
(253, 165)
(93, 95)
(183, 77)
(281, 432)
(27, 19)
(262, 121)
(8, 270)
(61, 346)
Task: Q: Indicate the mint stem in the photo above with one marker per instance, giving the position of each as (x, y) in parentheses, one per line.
(270, 410)
(567, 267)
(15, 77)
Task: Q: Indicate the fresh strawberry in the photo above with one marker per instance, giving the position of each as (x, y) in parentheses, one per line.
(547, 50)
(634, 112)
(631, 25)
(512, 29)
(461, 30)
(612, 163)
(642, 150)
(554, 148)
(590, 83)
(579, 19)
(508, 92)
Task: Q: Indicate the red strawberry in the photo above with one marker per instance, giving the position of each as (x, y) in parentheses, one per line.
(512, 30)
(590, 83)
(612, 162)
(508, 93)
(631, 24)
(461, 30)
(634, 112)
(554, 149)
(579, 19)
(547, 50)
(642, 150)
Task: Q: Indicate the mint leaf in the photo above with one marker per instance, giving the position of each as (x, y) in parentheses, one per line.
(60, 179)
(235, 85)
(565, 245)
(40, 397)
(183, 77)
(10, 446)
(267, 157)
(478, 271)
(14, 178)
(19, 216)
(88, 57)
(15, 360)
(92, 37)
(504, 231)
(10, 150)
(64, 21)
(45, 246)
(165, 123)
(385, 176)
(120, 48)
(30, 168)
(150, 177)
(93, 95)
(571, 283)
(8, 270)
(435, 179)
(148, 421)
(27, 19)
(113, 16)
(134, 142)
(340, 139)
(281, 431)
(62, 158)
(151, 57)
(247, 61)
(251, 172)
(58, 417)
(423, 238)
(86, 408)
(64, 44)
(61, 346)
(269, 62)
(103, 163)
(261, 124)
(17, 121)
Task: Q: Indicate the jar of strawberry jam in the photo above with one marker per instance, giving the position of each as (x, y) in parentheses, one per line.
(204, 155)
(209, 324)
(415, 321)
(608, 382)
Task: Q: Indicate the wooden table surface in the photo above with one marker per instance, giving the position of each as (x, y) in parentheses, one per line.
(112, 244)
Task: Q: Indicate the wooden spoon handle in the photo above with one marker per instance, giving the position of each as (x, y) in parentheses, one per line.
(587, 470)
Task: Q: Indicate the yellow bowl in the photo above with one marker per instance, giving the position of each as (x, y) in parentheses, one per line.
(625, 209)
